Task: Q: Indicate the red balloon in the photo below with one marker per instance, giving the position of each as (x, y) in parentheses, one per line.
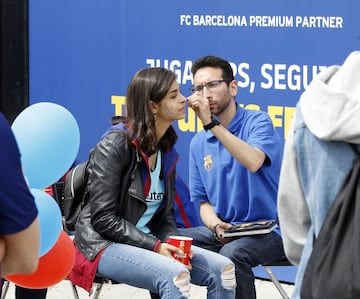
(53, 266)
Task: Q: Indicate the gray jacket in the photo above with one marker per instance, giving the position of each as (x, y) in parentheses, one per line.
(317, 157)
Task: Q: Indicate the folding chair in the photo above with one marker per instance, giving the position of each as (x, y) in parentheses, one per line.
(98, 284)
(5, 288)
(275, 281)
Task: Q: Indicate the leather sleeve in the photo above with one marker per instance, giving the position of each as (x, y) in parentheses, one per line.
(115, 210)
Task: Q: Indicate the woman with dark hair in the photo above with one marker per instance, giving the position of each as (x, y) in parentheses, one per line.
(123, 230)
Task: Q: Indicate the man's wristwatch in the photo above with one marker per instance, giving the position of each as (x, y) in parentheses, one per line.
(214, 122)
(215, 233)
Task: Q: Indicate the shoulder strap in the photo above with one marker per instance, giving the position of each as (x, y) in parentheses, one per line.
(355, 149)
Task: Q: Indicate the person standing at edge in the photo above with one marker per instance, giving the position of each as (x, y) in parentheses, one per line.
(123, 231)
(318, 157)
(19, 222)
(234, 168)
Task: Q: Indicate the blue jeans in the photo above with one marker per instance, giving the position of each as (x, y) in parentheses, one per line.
(245, 252)
(159, 274)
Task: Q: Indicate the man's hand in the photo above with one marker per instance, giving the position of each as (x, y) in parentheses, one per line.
(201, 107)
(220, 228)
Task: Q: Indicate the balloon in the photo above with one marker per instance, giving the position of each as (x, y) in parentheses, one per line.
(53, 267)
(48, 137)
(50, 219)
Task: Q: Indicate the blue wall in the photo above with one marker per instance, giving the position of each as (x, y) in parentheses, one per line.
(83, 53)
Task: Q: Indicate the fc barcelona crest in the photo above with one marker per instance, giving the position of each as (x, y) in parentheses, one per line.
(208, 162)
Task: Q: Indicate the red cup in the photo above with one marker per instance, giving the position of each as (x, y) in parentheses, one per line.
(184, 243)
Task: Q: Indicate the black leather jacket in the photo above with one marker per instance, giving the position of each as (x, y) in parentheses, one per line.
(118, 176)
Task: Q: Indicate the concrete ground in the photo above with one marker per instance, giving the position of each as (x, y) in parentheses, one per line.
(63, 290)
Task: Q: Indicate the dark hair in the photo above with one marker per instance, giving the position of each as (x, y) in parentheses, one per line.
(215, 62)
(149, 84)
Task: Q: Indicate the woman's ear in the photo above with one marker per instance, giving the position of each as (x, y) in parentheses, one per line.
(154, 107)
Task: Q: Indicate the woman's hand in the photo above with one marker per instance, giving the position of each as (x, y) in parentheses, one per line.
(170, 250)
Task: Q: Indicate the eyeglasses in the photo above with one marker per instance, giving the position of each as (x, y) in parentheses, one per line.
(210, 86)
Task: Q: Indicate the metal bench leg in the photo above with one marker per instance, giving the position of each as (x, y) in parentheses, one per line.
(75, 292)
(96, 290)
(276, 282)
(5, 288)
(94, 293)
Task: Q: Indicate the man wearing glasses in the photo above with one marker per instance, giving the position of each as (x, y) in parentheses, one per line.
(233, 172)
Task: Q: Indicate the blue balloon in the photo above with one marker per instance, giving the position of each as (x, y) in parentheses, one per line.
(49, 138)
(50, 219)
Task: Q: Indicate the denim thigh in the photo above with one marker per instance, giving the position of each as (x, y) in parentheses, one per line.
(245, 252)
(141, 268)
(149, 270)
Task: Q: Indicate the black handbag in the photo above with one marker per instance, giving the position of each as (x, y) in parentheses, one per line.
(333, 269)
(74, 198)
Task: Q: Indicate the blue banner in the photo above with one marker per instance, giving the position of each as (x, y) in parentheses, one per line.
(83, 53)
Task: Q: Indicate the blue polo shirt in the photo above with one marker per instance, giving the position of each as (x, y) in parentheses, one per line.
(17, 206)
(237, 194)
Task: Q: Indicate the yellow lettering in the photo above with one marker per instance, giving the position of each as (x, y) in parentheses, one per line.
(273, 112)
(250, 106)
(281, 116)
(189, 125)
(193, 124)
(120, 103)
